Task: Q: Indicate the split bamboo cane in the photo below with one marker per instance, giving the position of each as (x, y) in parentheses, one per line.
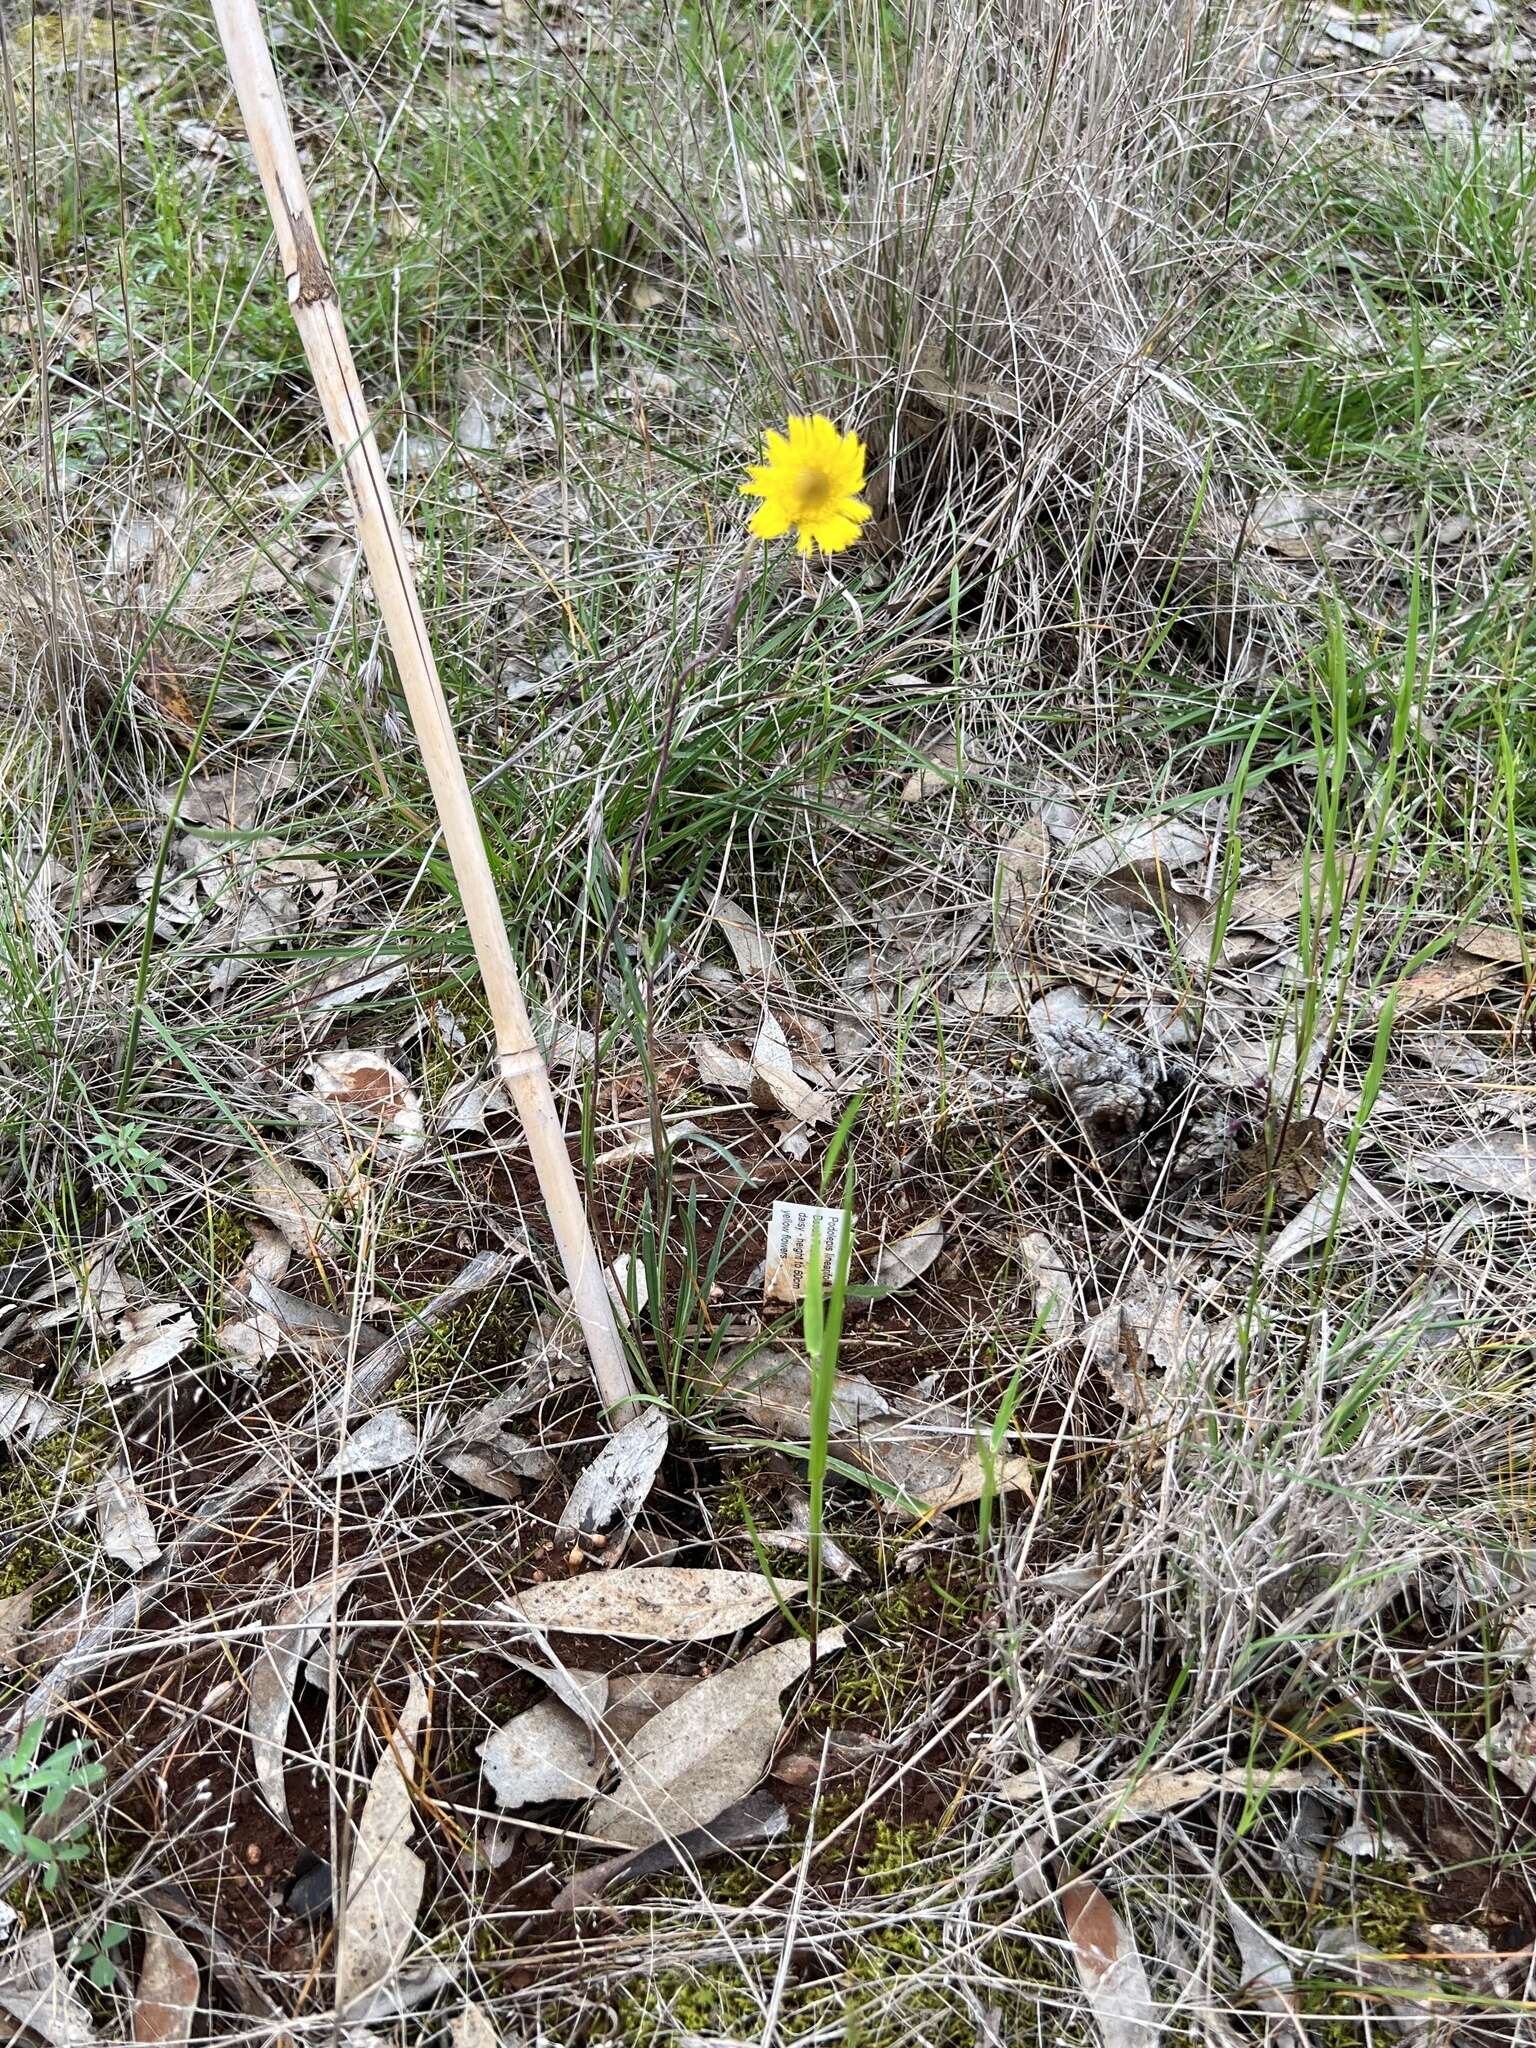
(317, 314)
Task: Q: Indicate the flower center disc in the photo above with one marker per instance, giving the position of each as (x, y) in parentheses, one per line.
(812, 488)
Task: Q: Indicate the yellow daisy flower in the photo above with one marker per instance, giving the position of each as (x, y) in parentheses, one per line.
(809, 479)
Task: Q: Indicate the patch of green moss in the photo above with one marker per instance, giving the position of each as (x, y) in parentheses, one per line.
(1385, 1907)
(35, 1495)
(899, 1631)
(891, 1985)
(486, 1337)
(1381, 1906)
(227, 1244)
(894, 1856)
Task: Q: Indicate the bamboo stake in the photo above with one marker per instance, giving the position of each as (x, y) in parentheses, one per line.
(317, 314)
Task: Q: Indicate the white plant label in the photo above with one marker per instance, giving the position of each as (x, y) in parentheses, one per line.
(789, 1248)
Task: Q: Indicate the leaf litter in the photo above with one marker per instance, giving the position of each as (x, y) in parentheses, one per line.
(165, 2003)
(697, 1757)
(290, 1637)
(926, 1452)
(547, 1752)
(654, 1603)
(385, 1877)
(612, 1490)
(1110, 1968)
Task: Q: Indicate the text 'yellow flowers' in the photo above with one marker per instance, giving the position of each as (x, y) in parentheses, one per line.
(809, 479)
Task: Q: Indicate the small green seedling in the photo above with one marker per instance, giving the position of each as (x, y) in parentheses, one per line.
(33, 1789)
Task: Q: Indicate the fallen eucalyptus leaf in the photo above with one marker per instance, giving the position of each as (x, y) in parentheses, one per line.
(15, 1620)
(1110, 1968)
(498, 1464)
(295, 1205)
(230, 800)
(722, 1069)
(908, 1257)
(654, 1603)
(122, 1516)
(292, 1634)
(776, 1085)
(1159, 1792)
(1456, 977)
(154, 1337)
(1267, 1978)
(611, 1492)
(1492, 1163)
(366, 1090)
(1052, 1285)
(751, 950)
(165, 2003)
(585, 1693)
(925, 1451)
(758, 1818)
(385, 1877)
(546, 1752)
(35, 1992)
(634, 1697)
(697, 1757)
(384, 1442)
(472, 2028)
(26, 1417)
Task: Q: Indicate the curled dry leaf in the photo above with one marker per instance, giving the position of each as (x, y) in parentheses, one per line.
(907, 1258)
(122, 1516)
(926, 1452)
(611, 1492)
(1164, 844)
(296, 1206)
(721, 1069)
(1110, 1968)
(385, 1877)
(699, 1756)
(293, 1634)
(15, 1620)
(643, 1145)
(370, 1094)
(585, 1693)
(26, 1417)
(941, 770)
(1267, 1980)
(153, 1337)
(165, 2003)
(1158, 1792)
(797, 1537)
(233, 799)
(654, 1603)
(383, 1443)
(548, 1752)
(752, 951)
(1022, 867)
(489, 1456)
(1456, 977)
(776, 1085)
